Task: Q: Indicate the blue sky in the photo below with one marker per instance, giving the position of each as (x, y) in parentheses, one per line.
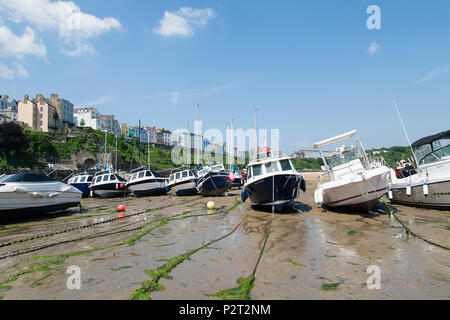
(305, 65)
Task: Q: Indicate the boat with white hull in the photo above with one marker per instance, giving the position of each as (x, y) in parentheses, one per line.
(143, 183)
(272, 181)
(21, 192)
(107, 184)
(183, 182)
(354, 183)
(429, 185)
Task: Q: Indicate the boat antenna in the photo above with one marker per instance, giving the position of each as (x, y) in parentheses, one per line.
(406, 133)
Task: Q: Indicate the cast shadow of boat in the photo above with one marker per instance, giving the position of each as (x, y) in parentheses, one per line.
(378, 210)
(294, 207)
(29, 217)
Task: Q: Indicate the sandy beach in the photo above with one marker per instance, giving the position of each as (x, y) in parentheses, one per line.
(306, 253)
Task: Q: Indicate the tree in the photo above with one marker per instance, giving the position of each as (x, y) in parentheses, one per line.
(82, 123)
(12, 138)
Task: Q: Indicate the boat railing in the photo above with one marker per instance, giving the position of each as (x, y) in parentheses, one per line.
(377, 162)
(266, 153)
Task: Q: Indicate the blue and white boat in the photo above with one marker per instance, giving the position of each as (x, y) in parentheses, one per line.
(82, 182)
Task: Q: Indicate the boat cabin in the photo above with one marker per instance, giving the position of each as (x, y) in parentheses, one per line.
(84, 178)
(432, 149)
(212, 168)
(181, 176)
(107, 177)
(140, 174)
(269, 166)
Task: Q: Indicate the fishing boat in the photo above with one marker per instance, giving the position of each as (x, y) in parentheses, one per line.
(183, 182)
(82, 182)
(236, 179)
(355, 182)
(213, 180)
(22, 192)
(272, 181)
(108, 184)
(428, 185)
(142, 182)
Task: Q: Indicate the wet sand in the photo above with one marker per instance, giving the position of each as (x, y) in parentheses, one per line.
(310, 253)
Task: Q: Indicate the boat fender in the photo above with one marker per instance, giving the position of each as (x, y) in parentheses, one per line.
(167, 189)
(408, 190)
(318, 196)
(390, 194)
(303, 185)
(244, 195)
(52, 195)
(37, 195)
(425, 189)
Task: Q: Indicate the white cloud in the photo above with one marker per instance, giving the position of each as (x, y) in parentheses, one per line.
(10, 73)
(19, 46)
(21, 72)
(434, 73)
(373, 48)
(6, 72)
(183, 21)
(75, 27)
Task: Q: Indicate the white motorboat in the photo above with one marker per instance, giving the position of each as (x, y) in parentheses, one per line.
(22, 192)
(143, 182)
(354, 182)
(183, 182)
(107, 184)
(428, 185)
(272, 181)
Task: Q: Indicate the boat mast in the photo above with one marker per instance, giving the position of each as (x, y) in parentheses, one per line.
(148, 150)
(406, 133)
(256, 131)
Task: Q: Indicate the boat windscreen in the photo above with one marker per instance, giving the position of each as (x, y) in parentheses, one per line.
(343, 158)
(22, 177)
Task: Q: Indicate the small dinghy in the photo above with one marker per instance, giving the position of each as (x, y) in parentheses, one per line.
(22, 192)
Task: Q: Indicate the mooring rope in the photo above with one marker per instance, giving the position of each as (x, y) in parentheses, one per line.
(408, 231)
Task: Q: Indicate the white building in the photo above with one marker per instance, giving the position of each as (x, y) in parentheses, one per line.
(8, 108)
(91, 118)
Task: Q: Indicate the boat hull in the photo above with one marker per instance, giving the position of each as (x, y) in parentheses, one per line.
(214, 184)
(83, 187)
(39, 198)
(186, 188)
(277, 190)
(111, 190)
(356, 194)
(438, 196)
(153, 187)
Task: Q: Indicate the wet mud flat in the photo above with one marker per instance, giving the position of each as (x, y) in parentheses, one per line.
(174, 248)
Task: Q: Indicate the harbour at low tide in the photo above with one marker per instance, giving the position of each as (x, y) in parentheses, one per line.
(190, 252)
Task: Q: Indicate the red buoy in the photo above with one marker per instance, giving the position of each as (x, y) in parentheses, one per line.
(121, 186)
(121, 208)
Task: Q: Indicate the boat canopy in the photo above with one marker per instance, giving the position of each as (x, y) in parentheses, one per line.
(327, 142)
(431, 139)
